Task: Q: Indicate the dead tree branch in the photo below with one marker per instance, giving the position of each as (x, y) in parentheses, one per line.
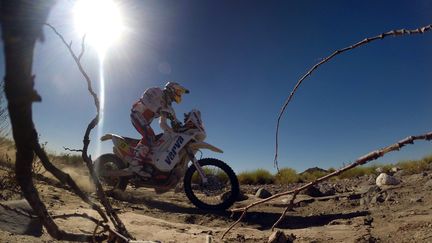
(394, 33)
(118, 224)
(21, 23)
(360, 161)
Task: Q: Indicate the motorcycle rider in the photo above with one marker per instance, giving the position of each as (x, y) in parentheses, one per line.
(155, 102)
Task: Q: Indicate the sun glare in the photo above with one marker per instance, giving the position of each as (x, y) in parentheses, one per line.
(100, 21)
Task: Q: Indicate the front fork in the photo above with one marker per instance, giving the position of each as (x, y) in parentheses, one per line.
(197, 166)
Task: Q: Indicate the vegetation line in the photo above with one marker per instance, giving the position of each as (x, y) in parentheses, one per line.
(360, 161)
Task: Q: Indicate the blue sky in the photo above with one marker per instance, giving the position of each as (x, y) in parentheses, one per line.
(240, 59)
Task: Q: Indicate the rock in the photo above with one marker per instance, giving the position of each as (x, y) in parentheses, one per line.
(416, 199)
(386, 180)
(320, 190)
(263, 193)
(290, 238)
(399, 173)
(390, 197)
(379, 170)
(209, 239)
(379, 198)
(395, 169)
(364, 201)
(340, 222)
(241, 196)
(280, 237)
(414, 178)
(277, 237)
(428, 185)
(18, 223)
(367, 189)
(371, 179)
(368, 220)
(354, 196)
(366, 238)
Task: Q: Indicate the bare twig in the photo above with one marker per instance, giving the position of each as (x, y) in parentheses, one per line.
(72, 150)
(118, 224)
(393, 33)
(360, 161)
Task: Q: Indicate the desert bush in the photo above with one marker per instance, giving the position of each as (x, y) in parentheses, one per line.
(9, 187)
(311, 176)
(358, 171)
(68, 160)
(286, 176)
(259, 176)
(428, 159)
(220, 174)
(414, 166)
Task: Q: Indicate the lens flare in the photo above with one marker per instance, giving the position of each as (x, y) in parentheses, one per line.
(100, 21)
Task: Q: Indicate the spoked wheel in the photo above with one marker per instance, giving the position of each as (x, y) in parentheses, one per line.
(221, 189)
(110, 162)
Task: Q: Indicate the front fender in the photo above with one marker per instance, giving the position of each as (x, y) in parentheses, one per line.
(203, 145)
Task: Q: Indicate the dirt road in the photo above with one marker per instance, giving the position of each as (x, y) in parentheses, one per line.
(361, 212)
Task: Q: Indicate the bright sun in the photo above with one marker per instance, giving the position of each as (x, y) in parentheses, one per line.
(100, 21)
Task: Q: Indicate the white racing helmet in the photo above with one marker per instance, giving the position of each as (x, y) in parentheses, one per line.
(175, 91)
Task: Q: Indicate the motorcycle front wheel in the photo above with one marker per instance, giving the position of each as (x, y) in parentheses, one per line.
(107, 162)
(222, 187)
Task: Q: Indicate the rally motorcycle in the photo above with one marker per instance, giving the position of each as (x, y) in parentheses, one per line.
(209, 183)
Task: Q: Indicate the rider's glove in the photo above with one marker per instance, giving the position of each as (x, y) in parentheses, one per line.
(175, 124)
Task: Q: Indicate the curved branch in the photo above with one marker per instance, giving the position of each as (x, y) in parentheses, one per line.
(393, 33)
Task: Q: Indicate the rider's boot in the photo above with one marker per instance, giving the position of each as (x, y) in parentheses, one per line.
(136, 165)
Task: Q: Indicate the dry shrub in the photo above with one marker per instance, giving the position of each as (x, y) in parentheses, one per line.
(311, 176)
(415, 166)
(286, 176)
(69, 160)
(357, 172)
(215, 172)
(256, 177)
(9, 188)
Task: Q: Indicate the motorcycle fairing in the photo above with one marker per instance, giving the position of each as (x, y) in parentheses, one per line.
(165, 153)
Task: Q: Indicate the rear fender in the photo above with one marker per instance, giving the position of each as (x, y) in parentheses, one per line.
(121, 148)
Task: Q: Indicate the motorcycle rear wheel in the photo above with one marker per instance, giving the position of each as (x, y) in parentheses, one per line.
(107, 162)
(219, 175)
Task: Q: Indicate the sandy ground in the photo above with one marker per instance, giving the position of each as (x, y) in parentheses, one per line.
(361, 213)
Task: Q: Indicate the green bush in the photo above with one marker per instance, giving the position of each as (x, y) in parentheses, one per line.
(259, 176)
(286, 176)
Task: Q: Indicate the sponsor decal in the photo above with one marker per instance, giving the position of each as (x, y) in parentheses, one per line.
(173, 152)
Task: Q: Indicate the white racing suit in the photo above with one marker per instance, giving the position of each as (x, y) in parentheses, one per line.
(151, 105)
